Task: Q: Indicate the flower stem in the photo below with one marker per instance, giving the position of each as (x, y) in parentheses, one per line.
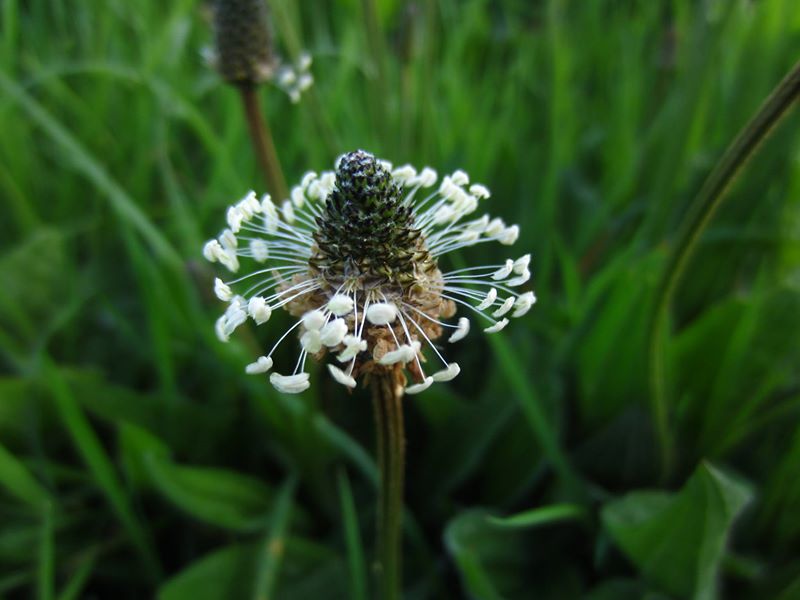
(387, 399)
(705, 204)
(263, 145)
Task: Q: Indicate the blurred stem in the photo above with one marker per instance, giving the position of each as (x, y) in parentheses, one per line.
(263, 144)
(387, 399)
(703, 208)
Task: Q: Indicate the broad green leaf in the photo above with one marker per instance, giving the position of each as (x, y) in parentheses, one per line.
(677, 540)
(216, 496)
(220, 575)
(273, 548)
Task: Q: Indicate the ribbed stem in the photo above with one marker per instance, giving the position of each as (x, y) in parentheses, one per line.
(387, 399)
(708, 200)
(263, 145)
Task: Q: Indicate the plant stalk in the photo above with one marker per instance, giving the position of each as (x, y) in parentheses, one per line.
(387, 399)
(263, 145)
(703, 208)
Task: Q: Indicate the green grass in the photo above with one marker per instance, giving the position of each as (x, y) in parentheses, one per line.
(136, 459)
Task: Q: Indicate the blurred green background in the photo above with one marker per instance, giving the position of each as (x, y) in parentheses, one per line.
(137, 460)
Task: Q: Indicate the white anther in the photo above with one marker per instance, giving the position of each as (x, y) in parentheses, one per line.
(419, 387)
(385, 164)
(478, 190)
(403, 353)
(405, 174)
(234, 218)
(521, 264)
(341, 377)
(212, 250)
(461, 331)
(451, 372)
(443, 214)
(260, 250)
(311, 342)
(497, 326)
(509, 236)
(259, 310)
(290, 384)
(271, 218)
(479, 225)
(523, 304)
(298, 196)
(307, 179)
(491, 296)
(305, 81)
(222, 291)
(219, 329)
(448, 189)
(304, 62)
(426, 178)
(288, 211)
(228, 240)
(314, 319)
(262, 365)
(519, 280)
(352, 346)
(229, 260)
(340, 305)
(333, 333)
(495, 227)
(505, 307)
(381, 313)
(460, 177)
(234, 317)
(469, 236)
(504, 271)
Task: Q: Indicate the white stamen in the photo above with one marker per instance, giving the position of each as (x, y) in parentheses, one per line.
(288, 211)
(333, 333)
(271, 217)
(405, 174)
(478, 190)
(352, 346)
(515, 281)
(427, 177)
(496, 227)
(298, 196)
(341, 377)
(229, 260)
(340, 305)
(290, 384)
(451, 372)
(234, 217)
(314, 319)
(311, 342)
(521, 264)
(505, 307)
(460, 177)
(461, 332)
(403, 353)
(259, 310)
(307, 179)
(497, 326)
(381, 313)
(212, 250)
(262, 365)
(222, 291)
(524, 304)
(419, 387)
(259, 250)
(228, 240)
(491, 296)
(509, 236)
(504, 271)
(385, 164)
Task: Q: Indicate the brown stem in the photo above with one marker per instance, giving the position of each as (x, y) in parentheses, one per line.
(263, 145)
(387, 399)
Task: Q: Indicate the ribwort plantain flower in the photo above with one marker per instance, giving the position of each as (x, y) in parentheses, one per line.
(245, 54)
(354, 256)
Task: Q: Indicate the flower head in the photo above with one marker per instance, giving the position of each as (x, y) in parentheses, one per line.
(244, 53)
(354, 256)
